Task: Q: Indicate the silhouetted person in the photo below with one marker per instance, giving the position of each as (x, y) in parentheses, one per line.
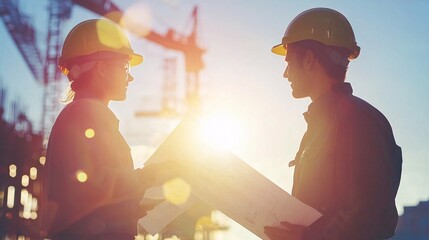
(93, 191)
(348, 165)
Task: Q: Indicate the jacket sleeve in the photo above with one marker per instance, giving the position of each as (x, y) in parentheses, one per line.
(366, 182)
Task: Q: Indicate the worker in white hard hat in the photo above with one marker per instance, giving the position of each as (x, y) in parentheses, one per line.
(93, 190)
(348, 166)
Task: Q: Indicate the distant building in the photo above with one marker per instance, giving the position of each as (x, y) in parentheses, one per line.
(414, 223)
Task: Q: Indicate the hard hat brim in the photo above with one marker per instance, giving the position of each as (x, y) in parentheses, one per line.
(279, 49)
(135, 59)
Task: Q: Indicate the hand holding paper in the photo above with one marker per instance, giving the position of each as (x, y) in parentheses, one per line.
(285, 231)
(230, 185)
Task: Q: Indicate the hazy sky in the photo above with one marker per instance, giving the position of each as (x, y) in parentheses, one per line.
(244, 80)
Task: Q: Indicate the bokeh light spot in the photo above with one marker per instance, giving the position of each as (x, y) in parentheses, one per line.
(137, 19)
(10, 197)
(204, 222)
(89, 133)
(25, 180)
(33, 173)
(12, 170)
(176, 191)
(81, 176)
(42, 160)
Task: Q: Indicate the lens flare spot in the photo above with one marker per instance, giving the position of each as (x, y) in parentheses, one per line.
(204, 222)
(81, 176)
(42, 160)
(25, 180)
(176, 191)
(24, 196)
(138, 19)
(89, 133)
(12, 170)
(10, 197)
(34, 205)
(33, 173)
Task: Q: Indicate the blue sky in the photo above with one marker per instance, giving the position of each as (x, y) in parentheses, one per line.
(244, 79)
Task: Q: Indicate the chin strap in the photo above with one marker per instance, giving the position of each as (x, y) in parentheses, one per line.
(336, 57)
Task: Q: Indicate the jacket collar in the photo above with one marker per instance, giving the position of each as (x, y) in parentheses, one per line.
(323, 104)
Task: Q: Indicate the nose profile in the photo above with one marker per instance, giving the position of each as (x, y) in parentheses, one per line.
(130, 78)
(286, 74)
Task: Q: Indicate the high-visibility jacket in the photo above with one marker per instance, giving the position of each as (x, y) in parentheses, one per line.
(90, 182)
(348, 167)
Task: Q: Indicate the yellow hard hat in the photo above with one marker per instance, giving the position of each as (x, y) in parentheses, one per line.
(323, 25)
(95, 39)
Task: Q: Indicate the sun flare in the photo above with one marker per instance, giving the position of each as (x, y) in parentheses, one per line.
(222, 130)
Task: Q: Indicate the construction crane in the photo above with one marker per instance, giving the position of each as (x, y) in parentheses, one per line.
(23, 34)
(43, 67)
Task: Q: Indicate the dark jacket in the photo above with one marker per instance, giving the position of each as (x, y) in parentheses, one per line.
(107, 202)
(348, 167)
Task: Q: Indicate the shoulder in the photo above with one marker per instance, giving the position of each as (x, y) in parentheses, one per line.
(363, 108)
(86, 110)
(85, 113)
(87, 106)
(359, 112)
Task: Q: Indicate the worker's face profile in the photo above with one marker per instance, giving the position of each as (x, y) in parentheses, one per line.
(118, 79)
(295, 74)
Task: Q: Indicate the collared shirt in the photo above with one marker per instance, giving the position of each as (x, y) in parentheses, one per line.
(348, 167)
(92, 187)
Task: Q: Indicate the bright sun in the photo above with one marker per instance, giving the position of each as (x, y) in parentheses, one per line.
(222, 129)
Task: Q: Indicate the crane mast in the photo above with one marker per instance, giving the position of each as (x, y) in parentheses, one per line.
(58, 11)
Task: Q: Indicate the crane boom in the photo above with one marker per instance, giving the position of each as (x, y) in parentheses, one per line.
(100, 7)
(188, 45)
(23, 34)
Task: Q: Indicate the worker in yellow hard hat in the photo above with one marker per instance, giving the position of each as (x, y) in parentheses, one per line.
(92, 189)
(348, 166)
(92, 41)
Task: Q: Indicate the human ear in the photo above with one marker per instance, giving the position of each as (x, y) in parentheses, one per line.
(309, 60)
(101, 68)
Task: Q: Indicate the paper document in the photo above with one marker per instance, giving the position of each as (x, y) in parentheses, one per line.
(229, 184)
(160, 216)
